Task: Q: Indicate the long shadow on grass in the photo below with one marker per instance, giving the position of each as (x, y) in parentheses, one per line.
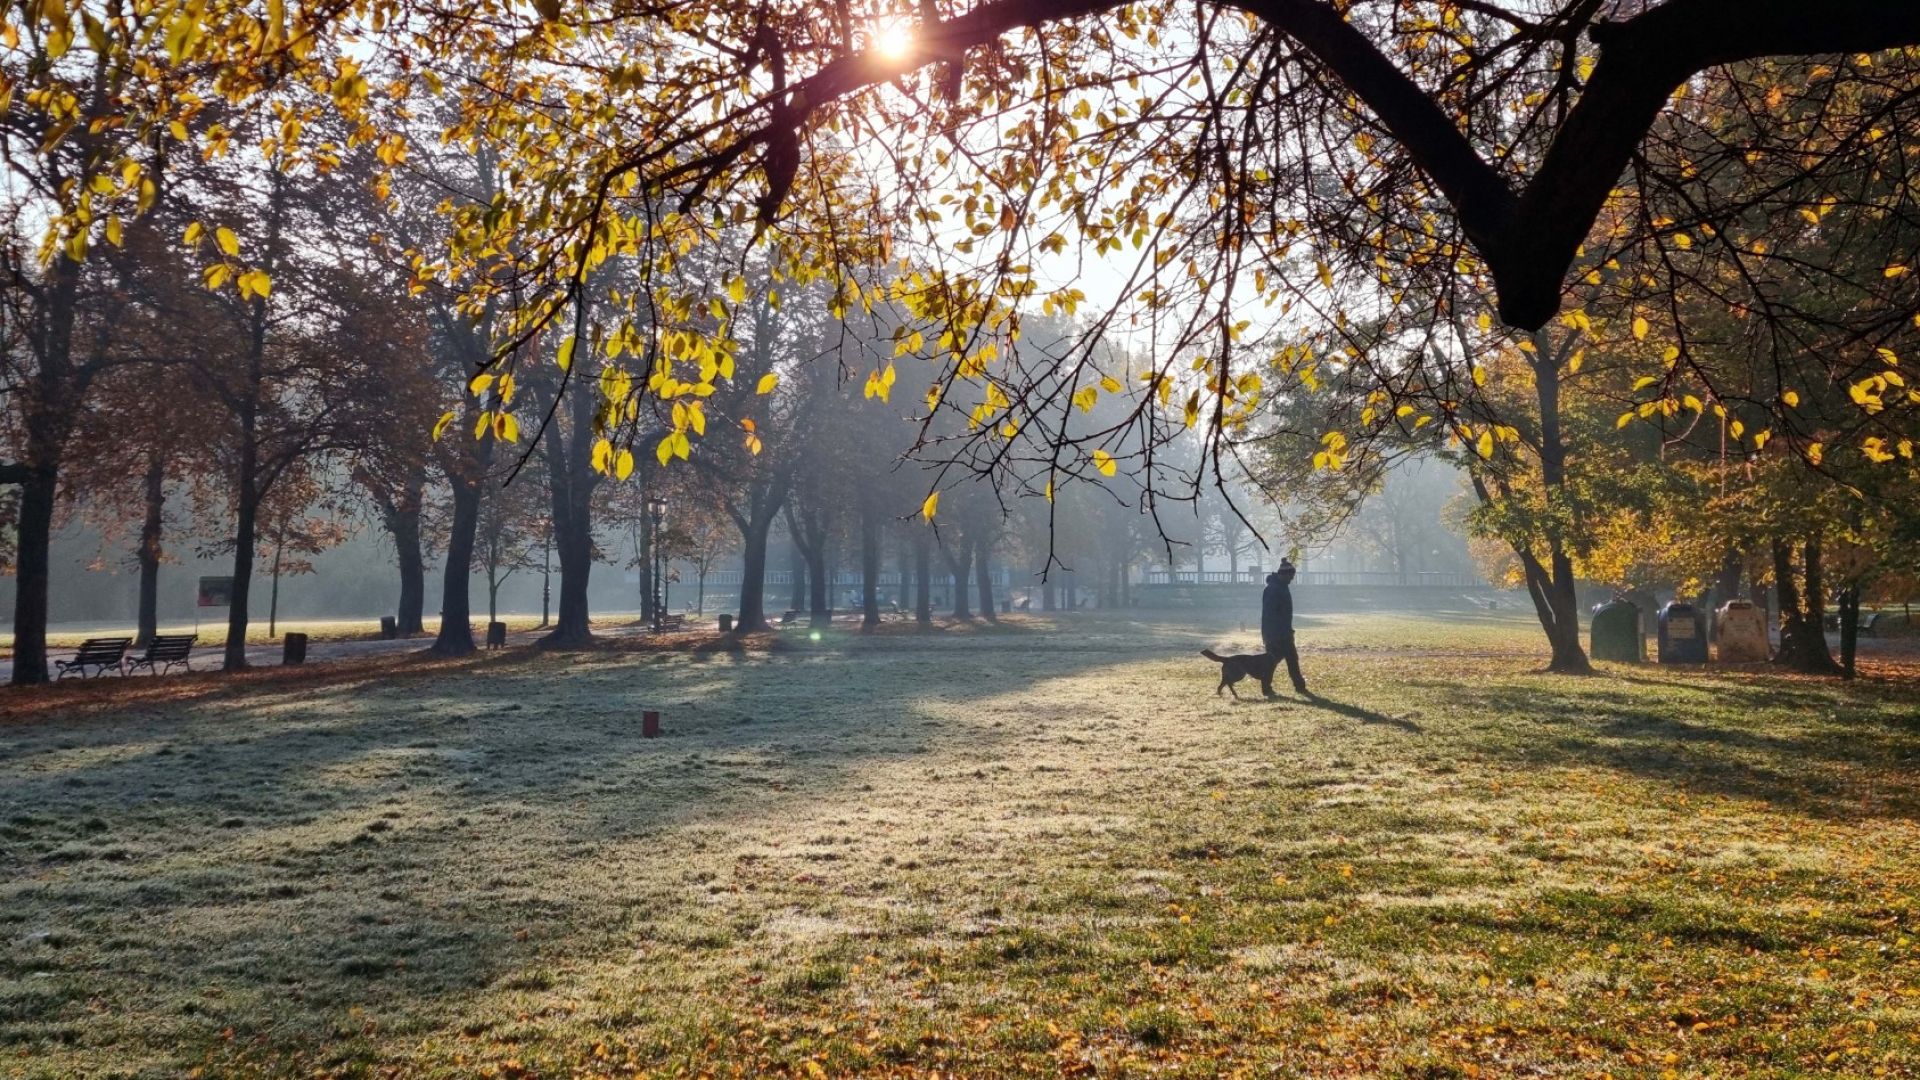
(1843, 755)
(266, 861)
(1363, 714)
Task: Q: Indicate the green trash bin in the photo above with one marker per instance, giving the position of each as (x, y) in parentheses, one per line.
(1615, 633)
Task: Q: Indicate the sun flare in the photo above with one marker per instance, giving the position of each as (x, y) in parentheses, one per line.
(893, 40)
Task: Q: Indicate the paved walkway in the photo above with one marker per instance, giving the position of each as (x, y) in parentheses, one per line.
(210, 656)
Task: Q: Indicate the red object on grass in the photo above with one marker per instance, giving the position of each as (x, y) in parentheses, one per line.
(650, 724)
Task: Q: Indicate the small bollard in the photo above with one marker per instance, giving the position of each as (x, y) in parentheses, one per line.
(293, 650)
(650, 724)
(496, 635)
(389, 627)
(726, 623)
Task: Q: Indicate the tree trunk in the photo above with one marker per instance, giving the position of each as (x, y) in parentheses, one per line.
(1554, 598)
(983, 576)
(797, 569)
(574, 544)
(244, 538)
(31, 574)
(957, 565)
(1849, 628)
(753, 575)
(922, 579)
(456, 613)
(869, 569)
(572, 484)
(1803, 640)
(643, 554)
(819, 606)
(149, 554)
(404, 524)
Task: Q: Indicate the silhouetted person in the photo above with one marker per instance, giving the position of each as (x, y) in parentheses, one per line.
(1276, 622)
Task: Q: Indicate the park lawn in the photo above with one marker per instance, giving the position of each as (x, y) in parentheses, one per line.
(1037, 851)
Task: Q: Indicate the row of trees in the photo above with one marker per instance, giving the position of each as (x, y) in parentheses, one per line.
(1343, 230)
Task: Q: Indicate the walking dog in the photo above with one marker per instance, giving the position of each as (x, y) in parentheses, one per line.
(1243, 666)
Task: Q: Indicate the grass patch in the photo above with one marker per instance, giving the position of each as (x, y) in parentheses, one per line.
(1030, 851)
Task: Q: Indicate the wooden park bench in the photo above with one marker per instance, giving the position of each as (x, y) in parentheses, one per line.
(163, 652)
(673, 622)
(788, 616)
(1865, 623)
(97, 653)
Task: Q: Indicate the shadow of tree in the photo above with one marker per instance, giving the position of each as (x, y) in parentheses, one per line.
(479, 818)
(1853, 763)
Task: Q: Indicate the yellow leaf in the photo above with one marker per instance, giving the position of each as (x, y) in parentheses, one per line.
(928, 508)
(1105, 463)
(1896, 270)
(1815, 452)
(602, 455)
(441, 427)
(623, 464)
(1485, 444)
(1640, 328)
(506, 427)
(193, 234)
(479, 383)
(1791, 398)
(737, 289)
(767, 383)
(228, 242)
(565, 358)
(1625, 419)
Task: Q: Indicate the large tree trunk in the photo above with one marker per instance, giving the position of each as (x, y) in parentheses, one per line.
(1803, 641)
(869, 568)
(403, 522)
(1554, 598)
(456, 613)
(958, 562)
(155, 493)
(50, 410)
(922, 578)
(983, 577)
(573, 542)
(753, 573)
(572, 482)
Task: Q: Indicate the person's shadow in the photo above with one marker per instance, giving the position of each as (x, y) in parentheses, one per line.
(1365, 716)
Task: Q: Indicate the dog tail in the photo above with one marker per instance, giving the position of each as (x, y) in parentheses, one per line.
(1209, 654)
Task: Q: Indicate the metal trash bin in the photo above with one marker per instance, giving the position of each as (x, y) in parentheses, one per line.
(1683, 634)
(389, 627)
(726, 623)
(496, 635)
(1615, 633)
(293, 650)
(1739, 633)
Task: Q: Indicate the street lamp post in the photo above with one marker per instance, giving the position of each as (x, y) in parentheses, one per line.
(657, 514)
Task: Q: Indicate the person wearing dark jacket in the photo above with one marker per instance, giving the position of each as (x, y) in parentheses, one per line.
(1276, 622)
